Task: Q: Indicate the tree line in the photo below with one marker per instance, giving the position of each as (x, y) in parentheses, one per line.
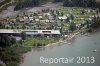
(6, 40)
(27, 3)
(57, 1)
(4, 2)
(81, 3)
(93, 24)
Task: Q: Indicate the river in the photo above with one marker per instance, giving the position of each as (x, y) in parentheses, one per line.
(81, 46)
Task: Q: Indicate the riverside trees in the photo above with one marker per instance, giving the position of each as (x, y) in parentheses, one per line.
(93, 24)
(23, 35)
(72, 26)
(6, 40)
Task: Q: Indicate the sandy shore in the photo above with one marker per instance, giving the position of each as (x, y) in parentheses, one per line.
(68, 38)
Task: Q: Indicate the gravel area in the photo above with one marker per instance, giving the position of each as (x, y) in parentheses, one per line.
(48, 5)
(8, 12)
(1, 1)
(11, 12)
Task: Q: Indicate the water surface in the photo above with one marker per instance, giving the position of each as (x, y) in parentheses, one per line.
(81, 46)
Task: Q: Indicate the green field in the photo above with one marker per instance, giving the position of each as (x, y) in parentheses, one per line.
(40, 41)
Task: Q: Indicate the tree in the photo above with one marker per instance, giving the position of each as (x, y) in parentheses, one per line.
(68, 19)
(62, 14)
(96, 23)
(2, 26)
(23, 27)
(13, 40)
(71, 17)
(81, 3)
(57, 1)
(23, 35)
(72, 26)
(27, 3)
(6, 40)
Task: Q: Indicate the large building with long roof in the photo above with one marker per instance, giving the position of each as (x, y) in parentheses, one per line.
(17, 32)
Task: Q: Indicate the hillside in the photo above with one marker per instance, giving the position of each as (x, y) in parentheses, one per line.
(4, 4)
(66, 3)
(8, 11)
(33, 3)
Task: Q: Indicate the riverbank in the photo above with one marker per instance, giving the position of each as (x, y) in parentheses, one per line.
(12, 56)
(66, 40)
(21, 51)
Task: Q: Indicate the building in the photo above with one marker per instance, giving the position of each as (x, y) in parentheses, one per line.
(16, 32)
(53, 33)
(10, 32)
(62, 17)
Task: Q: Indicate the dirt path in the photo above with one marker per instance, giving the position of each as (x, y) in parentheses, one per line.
(45, 6)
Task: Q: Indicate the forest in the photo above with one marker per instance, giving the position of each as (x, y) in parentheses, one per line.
(81, 3)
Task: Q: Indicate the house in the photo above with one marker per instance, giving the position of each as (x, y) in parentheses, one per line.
(21, 20)
(47, 20)
(48, 14)
(53, 33)
(30, 18)
(52, 21)
(40, 17)
(25, 18)
(42, 21)
(37, 20)
(50, 17)
(10, 32)
(68, 15)
(62, 17)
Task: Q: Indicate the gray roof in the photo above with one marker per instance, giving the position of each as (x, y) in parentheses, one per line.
(9, 31)
(30, 31)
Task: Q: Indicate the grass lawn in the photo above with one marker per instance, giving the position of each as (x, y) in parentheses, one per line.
(39, 41)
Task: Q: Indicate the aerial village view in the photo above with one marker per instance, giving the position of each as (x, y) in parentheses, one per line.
(49, 32)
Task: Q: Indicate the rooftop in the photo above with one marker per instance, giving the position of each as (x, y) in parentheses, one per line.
(30, 31)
